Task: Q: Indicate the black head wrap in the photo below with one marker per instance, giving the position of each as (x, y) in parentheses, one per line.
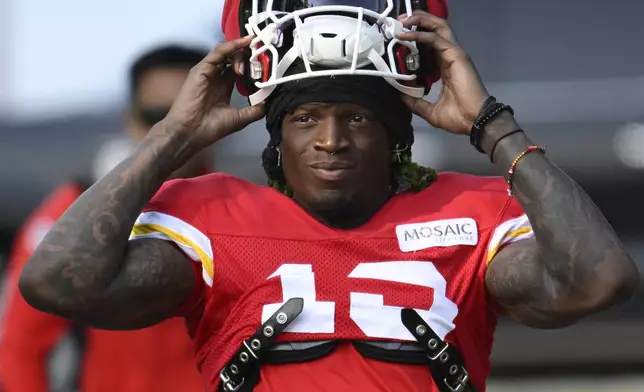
(370, 92)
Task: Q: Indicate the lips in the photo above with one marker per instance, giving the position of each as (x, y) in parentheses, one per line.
(332, 170)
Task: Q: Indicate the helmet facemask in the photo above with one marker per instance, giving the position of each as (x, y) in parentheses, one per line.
(354, 37)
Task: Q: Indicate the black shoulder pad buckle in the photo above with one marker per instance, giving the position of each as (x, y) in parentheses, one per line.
(445, 363)
(242, 364)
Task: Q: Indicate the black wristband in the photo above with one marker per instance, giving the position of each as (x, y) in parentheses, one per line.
(496, 143)
(474, 133)
(490, 110)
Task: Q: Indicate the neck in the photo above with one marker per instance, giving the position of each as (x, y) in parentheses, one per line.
(346, 214)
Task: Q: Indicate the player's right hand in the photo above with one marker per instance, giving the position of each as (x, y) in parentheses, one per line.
(202, 110)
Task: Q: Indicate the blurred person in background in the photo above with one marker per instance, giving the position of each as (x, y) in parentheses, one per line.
(158, 358)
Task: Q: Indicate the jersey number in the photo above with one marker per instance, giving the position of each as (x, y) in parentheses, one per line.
(367, 310)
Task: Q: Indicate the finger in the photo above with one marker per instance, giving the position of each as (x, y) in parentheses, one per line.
(224, 51)
(228, 75)
(446, 50)
(430, 22)
(220, 55)
(250, 114)
(418, 106)
(238, 61)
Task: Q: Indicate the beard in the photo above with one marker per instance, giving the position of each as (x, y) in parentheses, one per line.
(337, 210)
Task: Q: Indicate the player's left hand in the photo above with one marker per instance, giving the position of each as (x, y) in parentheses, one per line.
(463, 93)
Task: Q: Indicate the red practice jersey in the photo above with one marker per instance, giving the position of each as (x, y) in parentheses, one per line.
(256, 248)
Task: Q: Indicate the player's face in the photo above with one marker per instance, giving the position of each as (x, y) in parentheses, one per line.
(336, 158)
(156, 92)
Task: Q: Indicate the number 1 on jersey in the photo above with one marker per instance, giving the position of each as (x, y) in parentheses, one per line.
(298, 280)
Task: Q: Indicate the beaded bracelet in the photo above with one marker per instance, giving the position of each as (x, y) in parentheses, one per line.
(513, 166)
(491, 109)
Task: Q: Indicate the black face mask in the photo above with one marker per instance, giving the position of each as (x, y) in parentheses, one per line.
(152, 115)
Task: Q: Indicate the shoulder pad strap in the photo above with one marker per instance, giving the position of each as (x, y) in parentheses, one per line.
(288, 352)
(408, 353)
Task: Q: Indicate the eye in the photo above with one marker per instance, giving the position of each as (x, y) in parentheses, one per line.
(358, 119)
(302, 119)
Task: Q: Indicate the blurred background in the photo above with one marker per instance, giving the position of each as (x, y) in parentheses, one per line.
(573, 71)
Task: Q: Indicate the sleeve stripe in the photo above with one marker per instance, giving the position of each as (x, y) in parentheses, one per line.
(518, 232)
(508, 232)
(192, 241)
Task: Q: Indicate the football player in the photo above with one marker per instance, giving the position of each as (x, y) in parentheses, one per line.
(355, 270)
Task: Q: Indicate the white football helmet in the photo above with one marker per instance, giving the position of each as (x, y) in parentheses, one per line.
(330, 37)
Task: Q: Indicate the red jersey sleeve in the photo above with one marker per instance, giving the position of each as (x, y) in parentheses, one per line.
(29, 335)
(174, 215)
(512, 225)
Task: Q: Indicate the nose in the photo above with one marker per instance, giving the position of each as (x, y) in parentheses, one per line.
(331, 137)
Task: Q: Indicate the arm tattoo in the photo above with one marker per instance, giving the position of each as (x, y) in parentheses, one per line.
(85, 264)
(153, 282)
(577, 264)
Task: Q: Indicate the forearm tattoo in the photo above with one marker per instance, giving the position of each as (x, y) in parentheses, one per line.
(577, 264)
(81, 261)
